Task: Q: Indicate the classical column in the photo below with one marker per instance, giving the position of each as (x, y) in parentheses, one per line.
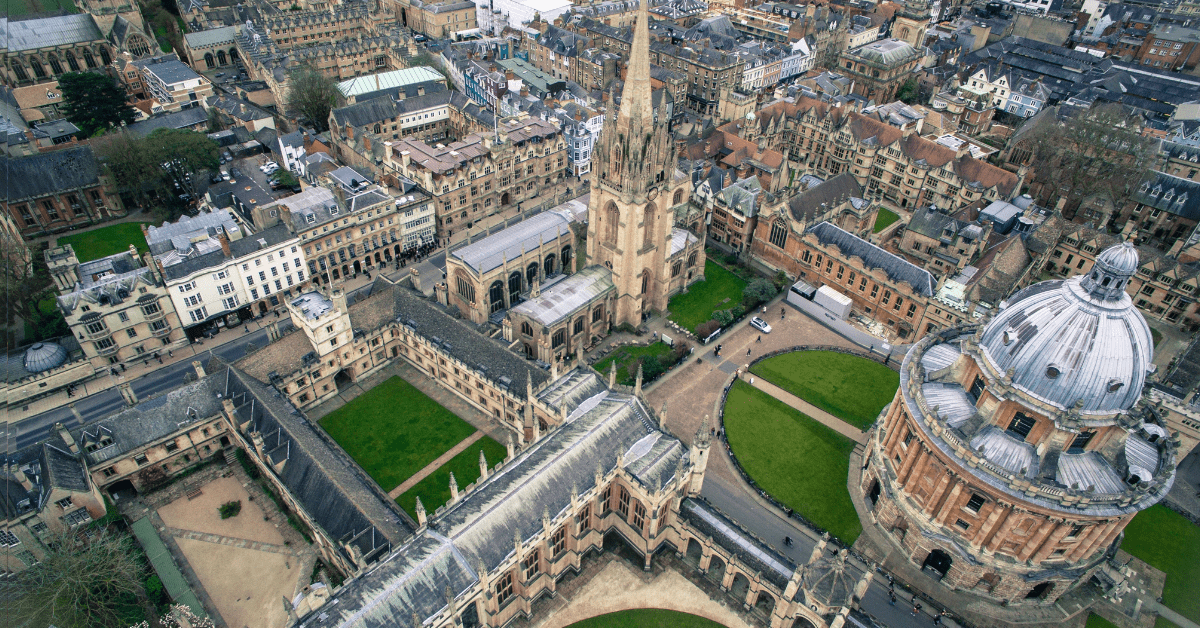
(988, 525)
(897, 427)
(936, 495)
(1036, 542)
(1112, 533)
(1051, 542)
(1001, 535)
(948, 509)
(918, 469)
(1080, 550)
(910, 458)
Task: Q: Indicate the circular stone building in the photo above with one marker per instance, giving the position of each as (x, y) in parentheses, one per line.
(1015, 452)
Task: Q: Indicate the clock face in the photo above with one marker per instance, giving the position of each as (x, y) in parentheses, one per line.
(652, 194)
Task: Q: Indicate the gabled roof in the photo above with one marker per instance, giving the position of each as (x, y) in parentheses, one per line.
(824, 197)
(48, 173)
(49, 32)
(873, 257)
(478, 531)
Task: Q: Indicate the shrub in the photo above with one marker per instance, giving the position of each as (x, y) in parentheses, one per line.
(737, 312)
(731, 260)
(679, 351)
(154, 586)
(247, 466)
(230, 509)
(704, 330)
(651, 368)
(781, 280)
(759, 291)
(723, 317)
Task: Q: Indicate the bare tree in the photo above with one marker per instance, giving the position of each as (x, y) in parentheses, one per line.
(79, 582)
(1096, 151)
(311, 96)
(26, 282)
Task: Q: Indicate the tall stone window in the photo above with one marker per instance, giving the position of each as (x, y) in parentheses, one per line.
(612, 220)
(779, 231)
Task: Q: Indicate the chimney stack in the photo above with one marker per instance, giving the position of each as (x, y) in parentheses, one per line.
(66, 437)
(224, 238)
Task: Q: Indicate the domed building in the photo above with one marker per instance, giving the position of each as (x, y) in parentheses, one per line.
(1015, 452)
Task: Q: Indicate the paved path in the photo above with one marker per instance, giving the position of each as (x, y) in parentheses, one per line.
(231, 541)
(435, 465)
(821, 416)
(1169, 613)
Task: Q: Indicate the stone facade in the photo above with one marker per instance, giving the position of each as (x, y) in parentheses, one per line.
(1009, 496)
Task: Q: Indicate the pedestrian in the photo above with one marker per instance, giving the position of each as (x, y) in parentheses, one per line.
(916, 608)
(759, 338)
(747, 350)
(937, 620)
(892, 598)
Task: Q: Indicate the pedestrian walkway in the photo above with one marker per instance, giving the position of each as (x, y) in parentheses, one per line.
(809, 410)
(435, 465)
(230, 541)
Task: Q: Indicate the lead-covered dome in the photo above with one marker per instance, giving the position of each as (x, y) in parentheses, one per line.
(43, 356)
(1076, 340)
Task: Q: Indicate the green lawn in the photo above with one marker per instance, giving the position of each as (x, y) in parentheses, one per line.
(434, 490)
(1096, 621)
(18, 8)
(884, 219)
(625, 355)
(800, 462)
(1167, 541)
(394, 430)
(720, 290)
(851, 388)
(1156, 336)
(106, 241)
(647, 618)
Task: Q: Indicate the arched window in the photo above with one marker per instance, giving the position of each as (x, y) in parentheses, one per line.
(648, 226)
(38, 70)
(88, 59)
(233, 54)
(138, 46)
(779, 234)
(71, 62)
(19, 70)
(514, 285)
(646, 281)
(692, 259)
(496, 296)
(55, 66)
(208, 60)
(612, 220)
(221, 57)
(548, 266)
(531, 273)
(465, 288)
(106, 58)
(566, 258)
(526, 328)
(678, 197)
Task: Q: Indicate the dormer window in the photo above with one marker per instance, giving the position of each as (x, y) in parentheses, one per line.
(311, 219)
(1052, 372)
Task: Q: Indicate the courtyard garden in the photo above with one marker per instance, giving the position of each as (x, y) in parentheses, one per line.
(655, 358)
(1168, 541)
(885, 219)
(394, 430)
(434, 489)
(647, 618)
(720, 290)
(852, 388)
(800, 462)
(105, 241)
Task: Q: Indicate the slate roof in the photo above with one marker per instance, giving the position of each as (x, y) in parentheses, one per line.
(334, 491)
(211, 37)
(873, 257)
(152, 419)
(1172, 194)
(817, 200)
(183, 119)
(48, 32)
(462, 341)
(751, 551)
(48, 173)
(63, 469)
(479, 530)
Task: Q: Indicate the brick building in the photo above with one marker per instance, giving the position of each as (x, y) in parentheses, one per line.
(57, 190)
(880, 68)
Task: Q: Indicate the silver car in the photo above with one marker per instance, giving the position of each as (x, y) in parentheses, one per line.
(760, 325)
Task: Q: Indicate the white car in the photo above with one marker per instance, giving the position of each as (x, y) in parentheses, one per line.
(760, 325)
(269, 167)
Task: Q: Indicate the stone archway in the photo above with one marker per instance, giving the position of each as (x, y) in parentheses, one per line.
(938, 563)
(740, 587)
(765, 603)
(873, 492)
(716, 569)
(695, 552)
(1041, 591)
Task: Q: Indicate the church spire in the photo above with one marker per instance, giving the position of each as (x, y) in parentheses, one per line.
(636, 97)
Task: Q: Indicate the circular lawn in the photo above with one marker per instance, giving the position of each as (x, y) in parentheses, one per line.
(647, 618)
(849, 387)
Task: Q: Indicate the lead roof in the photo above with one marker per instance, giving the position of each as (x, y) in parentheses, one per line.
(873, 257)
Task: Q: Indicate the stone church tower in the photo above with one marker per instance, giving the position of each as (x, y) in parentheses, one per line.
(634, 187)
(911, 23)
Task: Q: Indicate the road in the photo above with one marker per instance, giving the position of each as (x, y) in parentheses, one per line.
(18, 436)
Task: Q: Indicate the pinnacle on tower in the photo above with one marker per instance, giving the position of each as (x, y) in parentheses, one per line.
(636, 100)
